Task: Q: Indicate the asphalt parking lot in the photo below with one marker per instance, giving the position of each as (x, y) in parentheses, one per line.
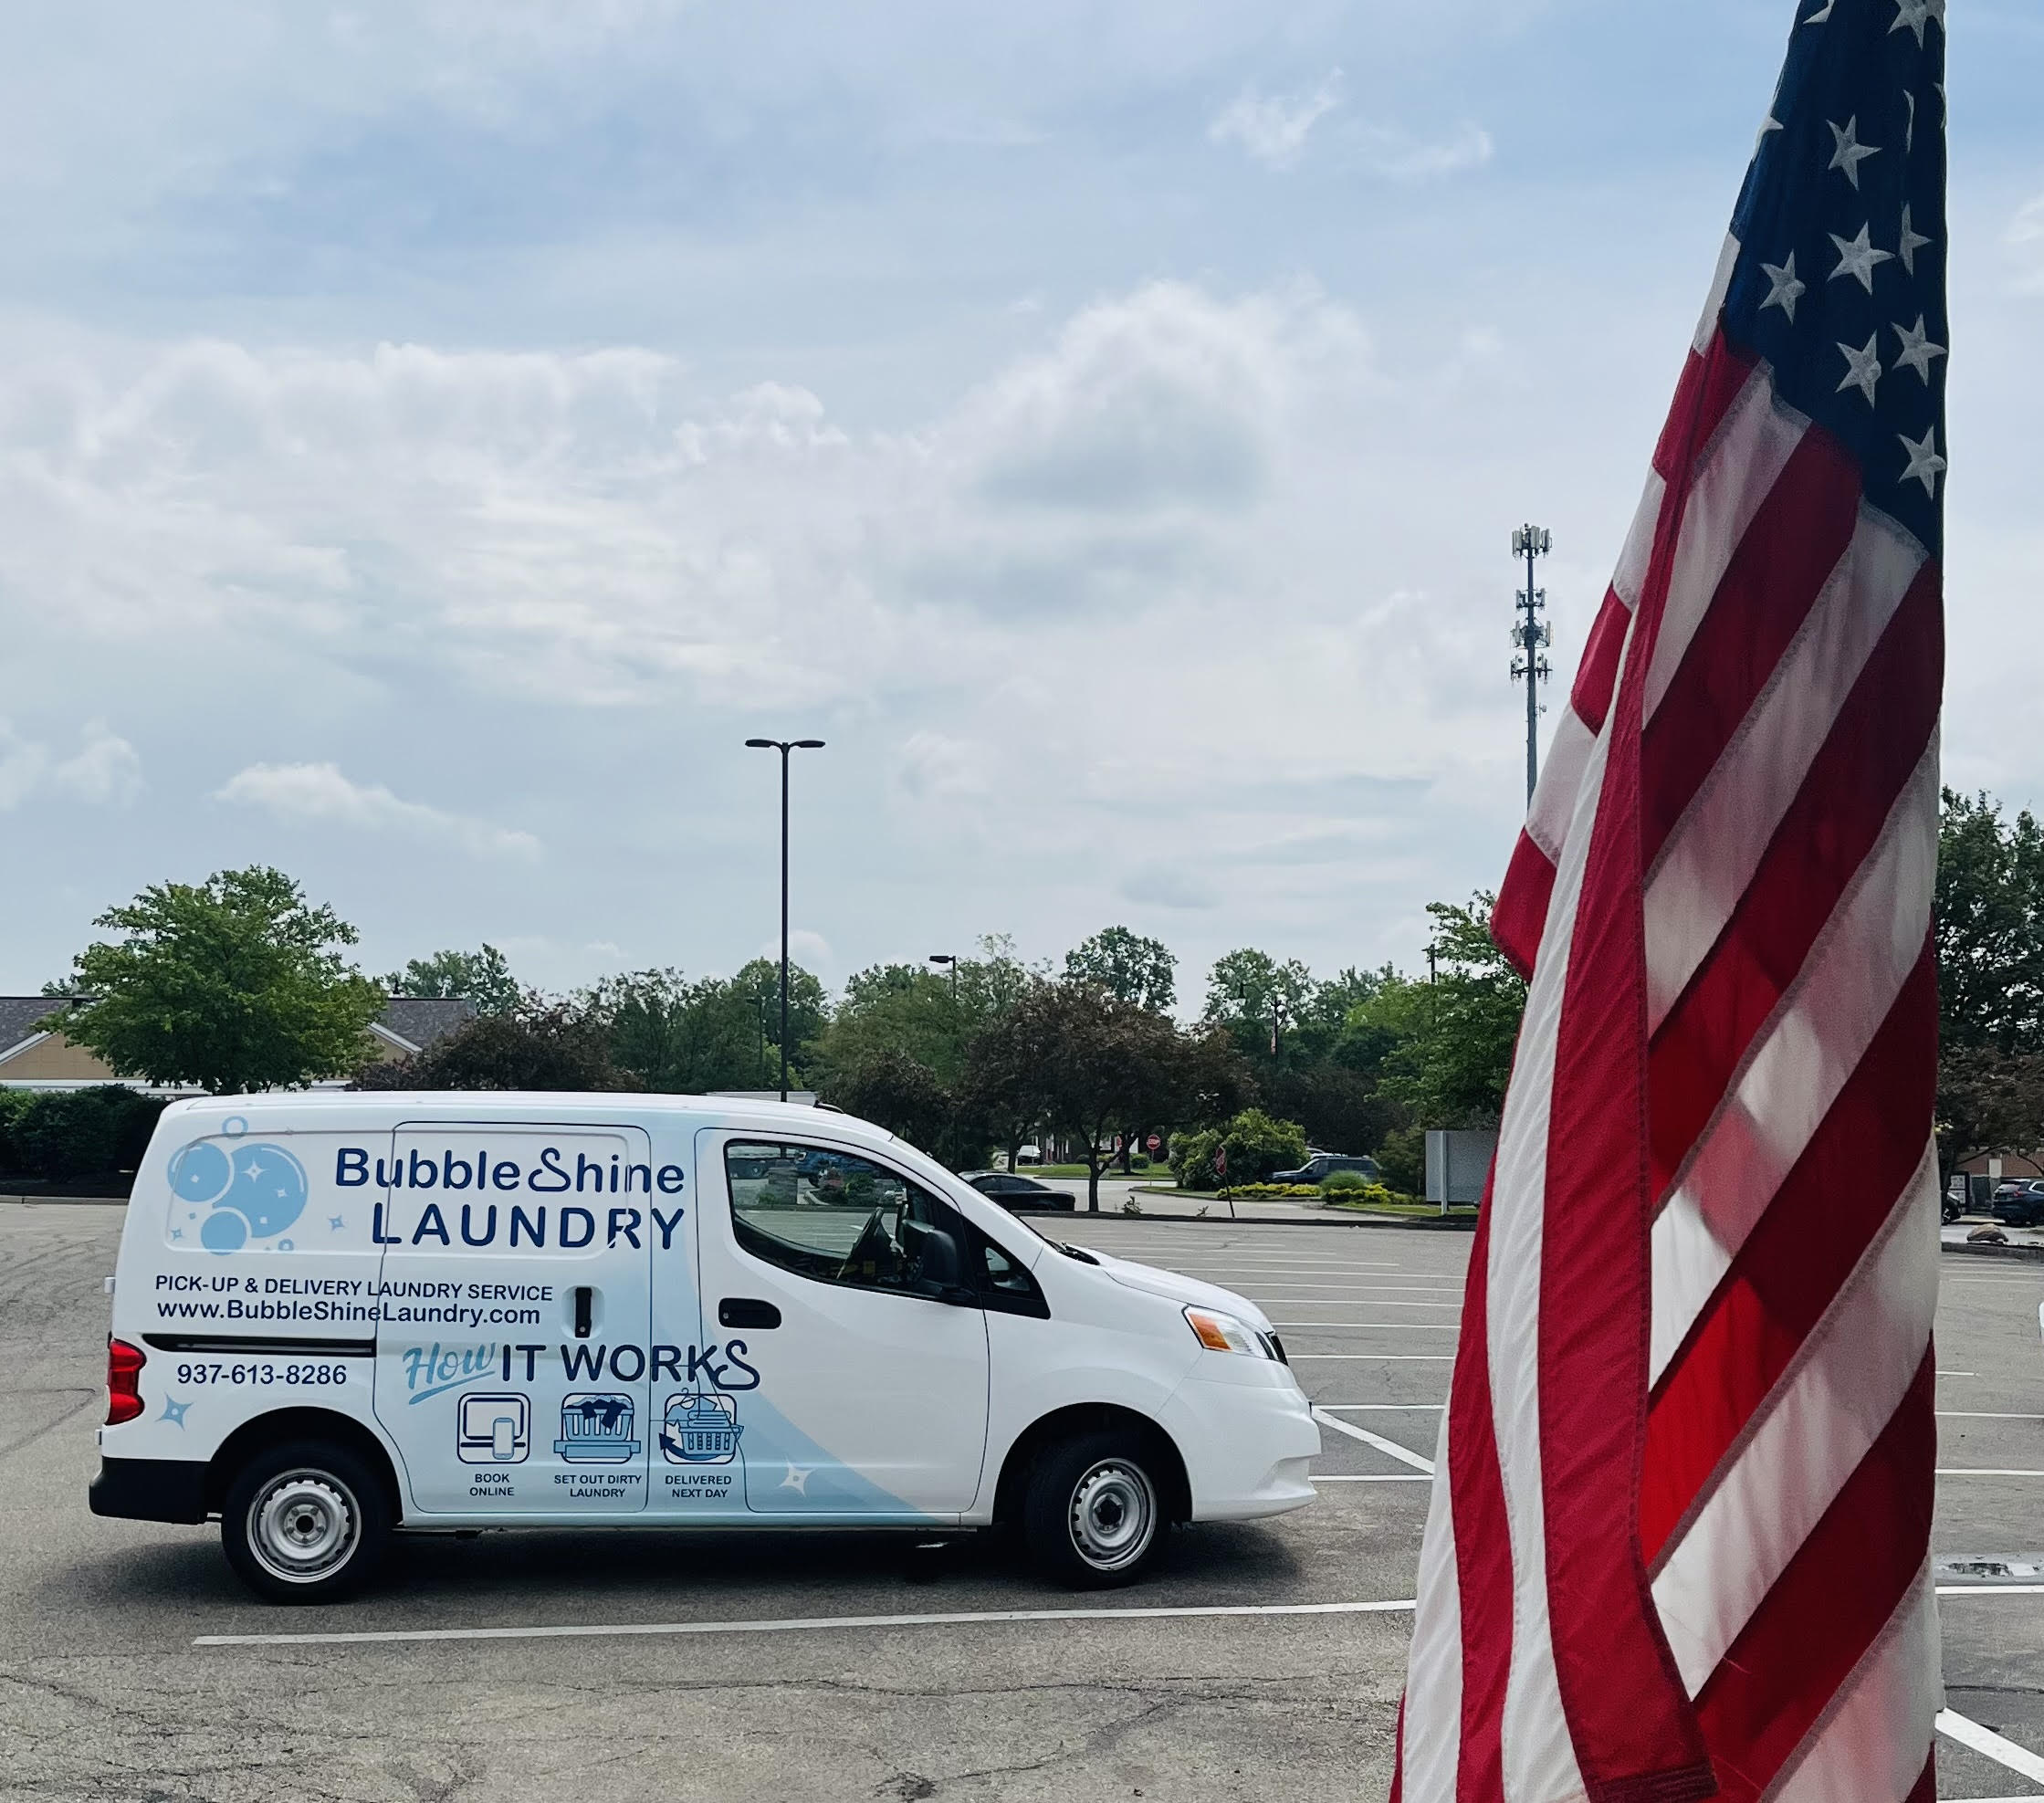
(1260, 1662)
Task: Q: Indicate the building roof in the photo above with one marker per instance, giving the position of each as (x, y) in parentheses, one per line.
(415, 1022)
(419, 1020)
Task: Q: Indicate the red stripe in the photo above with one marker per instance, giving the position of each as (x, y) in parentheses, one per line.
(1521, 913)
(1776, 573)
(1838, 1592)
(1709, 385)
(1824, 839)
(1597, 674)
(1482, 1538)
(1636, 1738)
(1785, 1277)
(1924, 1790)
(1397, 1759)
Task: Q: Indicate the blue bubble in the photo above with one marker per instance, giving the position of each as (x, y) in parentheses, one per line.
(200, 1172)
(225, 1232)
(234, 1126)
(268, 1188)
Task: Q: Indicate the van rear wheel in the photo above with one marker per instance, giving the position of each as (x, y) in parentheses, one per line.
(306, 1522)
(1093, 1514)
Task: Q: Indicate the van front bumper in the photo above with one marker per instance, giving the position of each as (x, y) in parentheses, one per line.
(1248, 1447)
(150, 1490)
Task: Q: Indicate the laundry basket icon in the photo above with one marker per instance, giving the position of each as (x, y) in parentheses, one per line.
(699, 1429)
(597, 1429)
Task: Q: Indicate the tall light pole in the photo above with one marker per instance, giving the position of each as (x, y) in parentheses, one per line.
(1531, 635)
(950, 959)
(784, 746)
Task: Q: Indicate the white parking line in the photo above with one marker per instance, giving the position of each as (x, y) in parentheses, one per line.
(1982, 1415)
(1969, 1733)
(1958, 1374)
(1397, 1327)
(1371, 1357)
(1964, 1471)
(1404, 1455)
(1990, 1589)
(795, 1625)
(1381, 1407)
(1356, 1302)
(1398, 1477)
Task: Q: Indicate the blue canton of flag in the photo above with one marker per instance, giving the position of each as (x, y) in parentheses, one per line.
(1840, 281)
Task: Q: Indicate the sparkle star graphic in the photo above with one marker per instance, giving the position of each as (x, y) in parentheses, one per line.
(797, 1479)
(1862, 368)
(1857, 256)
(256, 1170)
(1850, 153)
(1917, 351)
(336, 1223)
(1784, 290)
(174, 1412)
(1913, 242)
(177, 1232)
(1924, 463)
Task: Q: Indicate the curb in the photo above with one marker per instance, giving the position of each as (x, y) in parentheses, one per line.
(2020, 1255)
(68, 1201)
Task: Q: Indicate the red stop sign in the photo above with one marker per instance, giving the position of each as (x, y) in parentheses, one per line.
(1155, 1142)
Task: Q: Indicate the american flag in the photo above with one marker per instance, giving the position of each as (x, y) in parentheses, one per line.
(1679, 1535)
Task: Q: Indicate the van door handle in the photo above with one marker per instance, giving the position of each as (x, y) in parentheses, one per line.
(584, 1298)
(746, 1312)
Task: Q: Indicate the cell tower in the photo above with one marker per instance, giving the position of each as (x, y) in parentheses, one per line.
(1531, 635)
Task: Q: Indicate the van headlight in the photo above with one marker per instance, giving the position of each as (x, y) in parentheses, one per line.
(1225, 1333)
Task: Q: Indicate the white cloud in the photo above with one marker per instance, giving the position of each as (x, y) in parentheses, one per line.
(321, 794)
(1273, 128)
(1404, 158)
(106, 770)
(932, 767)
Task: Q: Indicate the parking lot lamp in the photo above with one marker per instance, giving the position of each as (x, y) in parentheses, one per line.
(784, 746)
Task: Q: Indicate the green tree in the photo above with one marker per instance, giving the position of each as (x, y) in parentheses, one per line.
(236, 984)
(1128, 966)
(896, 1091)
(539, 1045)
(1257, 999)
(482, 979)
(928, 1015)
(1989, 940)
(687, 1037)
(1451, 1067)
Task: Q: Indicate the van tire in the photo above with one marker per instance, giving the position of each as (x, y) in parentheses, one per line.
(1094, 1515)
(305, 1521)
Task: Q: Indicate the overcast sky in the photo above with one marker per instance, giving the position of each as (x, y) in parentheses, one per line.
(435, 434)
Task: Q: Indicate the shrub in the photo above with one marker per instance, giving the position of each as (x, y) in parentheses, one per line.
(1192, 1159)
(1402, 1159)
(1343, 1182)
(63, 1134)
(1257, 1145)
(14, 1104)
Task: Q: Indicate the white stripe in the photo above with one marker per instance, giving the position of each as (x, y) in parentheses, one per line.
(1538, 1755)
(1969, 1733)
(1369, 1357)
(793, 1625)
(1404, 1455)
(1410, 1409)
(1433, 1682)
(1553, 801)
(1743, 462)
(1990, 1589)
(1799, 1060)
(1873, 1744)
(1394, 1477)
(1808, 1438)
(1721, 284)
(1709, 858)
(1630, 576)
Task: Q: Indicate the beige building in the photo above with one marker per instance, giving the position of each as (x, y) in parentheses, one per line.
(31, 1057)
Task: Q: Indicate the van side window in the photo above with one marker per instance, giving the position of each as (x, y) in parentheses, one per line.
(832, 1216)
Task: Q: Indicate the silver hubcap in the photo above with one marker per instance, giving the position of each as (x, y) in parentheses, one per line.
(1114, 1515)
(303, 1525)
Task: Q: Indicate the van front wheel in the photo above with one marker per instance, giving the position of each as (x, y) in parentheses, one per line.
(1093, 1514)
(305, 1523)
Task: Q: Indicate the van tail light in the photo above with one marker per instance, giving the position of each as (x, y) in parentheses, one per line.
(124, 1363)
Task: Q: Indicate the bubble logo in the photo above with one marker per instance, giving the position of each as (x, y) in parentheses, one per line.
(251, 1193)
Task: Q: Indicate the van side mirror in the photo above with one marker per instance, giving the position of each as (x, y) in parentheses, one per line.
(939, 1269)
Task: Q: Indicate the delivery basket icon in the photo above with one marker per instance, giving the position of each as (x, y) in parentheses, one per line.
(597, 1430)
(699, 1429)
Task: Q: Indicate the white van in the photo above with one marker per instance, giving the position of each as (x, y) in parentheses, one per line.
(337, 1314)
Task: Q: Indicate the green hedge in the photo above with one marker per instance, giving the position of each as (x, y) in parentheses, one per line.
(56, 1135)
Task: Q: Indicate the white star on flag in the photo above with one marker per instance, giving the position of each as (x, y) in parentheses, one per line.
(1850, 153)
(1862, 368)
(1857, 256)
(1784, 290)
(1913, 242)
(1820, 17)
(1913, 14)
(1917, 349)
(1924, 463)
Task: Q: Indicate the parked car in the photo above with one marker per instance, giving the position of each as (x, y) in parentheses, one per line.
(2020, 1205)
(1019, 1194)
(1321, 1166)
